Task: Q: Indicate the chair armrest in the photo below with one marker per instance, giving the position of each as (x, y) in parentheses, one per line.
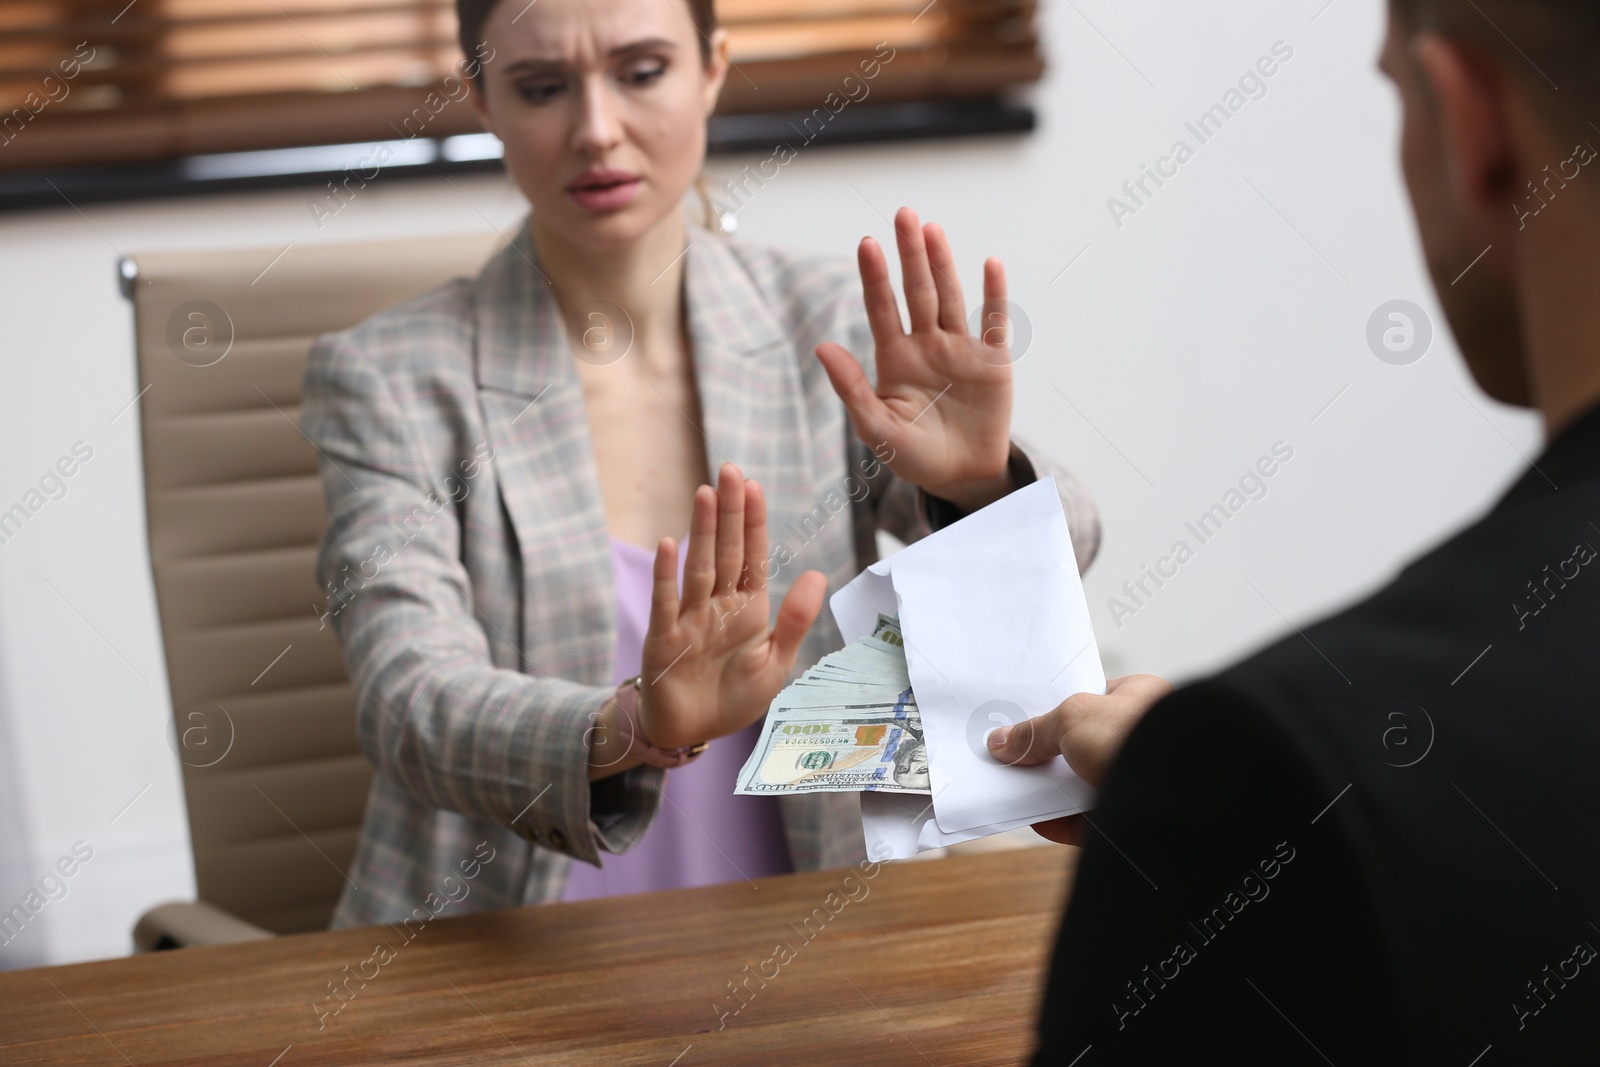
(181, 924)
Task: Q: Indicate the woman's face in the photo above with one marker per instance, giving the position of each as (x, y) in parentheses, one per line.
(602, 106)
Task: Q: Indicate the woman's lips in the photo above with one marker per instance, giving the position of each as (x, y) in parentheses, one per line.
(600, 191)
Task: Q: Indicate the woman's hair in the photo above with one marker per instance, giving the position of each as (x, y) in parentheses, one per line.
(472, 14)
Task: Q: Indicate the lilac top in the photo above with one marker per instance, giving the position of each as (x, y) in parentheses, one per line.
(703, 833)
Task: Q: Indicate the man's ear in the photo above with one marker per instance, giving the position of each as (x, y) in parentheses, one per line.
(716, 69)
(1470, 94)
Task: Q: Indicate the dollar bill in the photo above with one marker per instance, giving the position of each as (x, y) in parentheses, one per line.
(849, 723)
(840, 754)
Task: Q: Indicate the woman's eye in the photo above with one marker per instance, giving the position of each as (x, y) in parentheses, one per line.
(539, 92)
(644, 73)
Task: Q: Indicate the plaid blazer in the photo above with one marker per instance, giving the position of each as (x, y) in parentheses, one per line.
(469, 571)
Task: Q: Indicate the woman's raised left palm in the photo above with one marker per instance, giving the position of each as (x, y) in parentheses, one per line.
(943, 397)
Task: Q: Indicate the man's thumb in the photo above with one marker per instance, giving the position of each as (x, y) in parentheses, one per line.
(1022, 745)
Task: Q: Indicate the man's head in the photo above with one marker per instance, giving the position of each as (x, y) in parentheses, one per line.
(1497, 97)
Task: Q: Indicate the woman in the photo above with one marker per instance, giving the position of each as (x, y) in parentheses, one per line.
(508, 460)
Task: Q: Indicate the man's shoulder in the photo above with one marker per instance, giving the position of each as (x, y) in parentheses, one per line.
(1467, 611)
(1475, 664)
(1443, 730)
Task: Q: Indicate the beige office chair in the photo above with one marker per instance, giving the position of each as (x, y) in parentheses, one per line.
(265, 718)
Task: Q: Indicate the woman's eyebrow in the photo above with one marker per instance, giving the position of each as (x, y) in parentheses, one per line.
(538, 65)
(643, 45)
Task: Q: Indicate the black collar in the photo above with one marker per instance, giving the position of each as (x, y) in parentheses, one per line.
(1571, 458)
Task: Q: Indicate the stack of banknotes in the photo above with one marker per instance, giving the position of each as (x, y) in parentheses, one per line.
(848, 724)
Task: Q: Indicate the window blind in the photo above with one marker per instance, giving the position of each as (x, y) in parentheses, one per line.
(90, 82)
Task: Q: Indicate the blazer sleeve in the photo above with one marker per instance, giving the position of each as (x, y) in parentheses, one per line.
(908, 513)
(433, 712)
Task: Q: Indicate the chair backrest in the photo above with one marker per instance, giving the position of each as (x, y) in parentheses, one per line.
(274, 779)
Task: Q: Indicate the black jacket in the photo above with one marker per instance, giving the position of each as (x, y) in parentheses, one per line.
(1376, 842)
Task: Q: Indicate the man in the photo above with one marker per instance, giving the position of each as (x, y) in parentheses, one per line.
(1376, 842)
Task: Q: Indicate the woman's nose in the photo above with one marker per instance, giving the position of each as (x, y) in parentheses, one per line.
(598, 129)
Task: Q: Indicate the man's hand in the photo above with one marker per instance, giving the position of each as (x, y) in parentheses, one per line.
(1087, 729)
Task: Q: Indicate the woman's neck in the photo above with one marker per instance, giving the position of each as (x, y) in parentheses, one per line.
(644, 278)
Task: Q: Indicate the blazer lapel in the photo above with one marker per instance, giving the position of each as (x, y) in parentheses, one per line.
(535, 418)
(752, 414)
(751, 399)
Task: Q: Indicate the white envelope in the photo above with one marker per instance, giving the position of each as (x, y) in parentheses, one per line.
(996, 630)
(905, 823)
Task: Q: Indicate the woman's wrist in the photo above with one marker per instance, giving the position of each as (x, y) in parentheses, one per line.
(618, 743)
(970, 496)
(630, 719)
(977, 495)
(609, 750)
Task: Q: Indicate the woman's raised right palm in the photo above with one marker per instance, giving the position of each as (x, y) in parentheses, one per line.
(711, 663)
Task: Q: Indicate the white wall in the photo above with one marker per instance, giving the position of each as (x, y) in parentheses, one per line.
(1188, 340)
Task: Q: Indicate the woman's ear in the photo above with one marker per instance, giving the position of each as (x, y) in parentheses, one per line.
(480, 105)
(716, 70)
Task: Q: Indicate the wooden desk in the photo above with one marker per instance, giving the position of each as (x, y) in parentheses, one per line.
(939, 962)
